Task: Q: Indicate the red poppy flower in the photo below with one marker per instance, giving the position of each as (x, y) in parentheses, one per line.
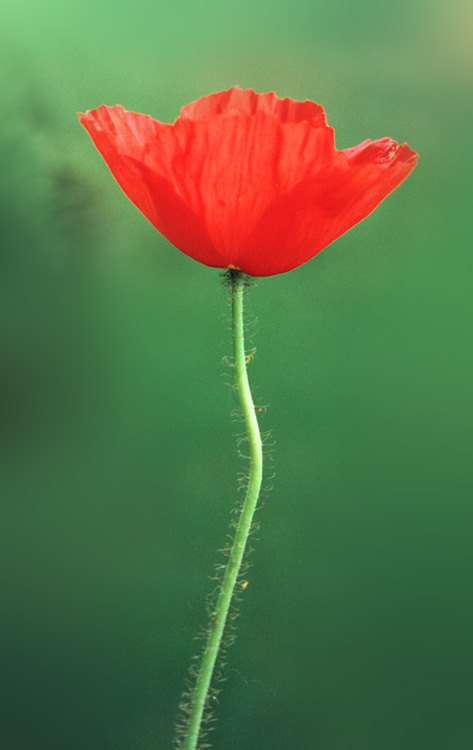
(244, 180)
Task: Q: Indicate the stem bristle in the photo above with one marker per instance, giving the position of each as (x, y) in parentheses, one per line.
(208, 670)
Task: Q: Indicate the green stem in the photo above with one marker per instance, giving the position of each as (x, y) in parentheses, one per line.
(217, 625)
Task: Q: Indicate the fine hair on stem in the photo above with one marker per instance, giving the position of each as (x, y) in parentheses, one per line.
(207, 670)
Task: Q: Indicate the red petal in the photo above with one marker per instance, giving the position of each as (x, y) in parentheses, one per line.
(246, 180)
(140, 153)
(235, 168)
(320, 209)
(205, 183)
(243, 103)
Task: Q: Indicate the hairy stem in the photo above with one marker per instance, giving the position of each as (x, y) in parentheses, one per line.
(219, 616)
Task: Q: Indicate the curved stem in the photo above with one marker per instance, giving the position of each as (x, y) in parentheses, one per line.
(217, 625)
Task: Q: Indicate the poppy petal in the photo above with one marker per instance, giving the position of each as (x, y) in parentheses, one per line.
(319, 210)
(235, 168)
(140, 153)
(244, 102)
(246, 180)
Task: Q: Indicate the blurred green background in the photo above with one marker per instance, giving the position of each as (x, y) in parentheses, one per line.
(118, 453)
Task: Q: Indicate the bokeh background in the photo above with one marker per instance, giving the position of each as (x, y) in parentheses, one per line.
(118, 452)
